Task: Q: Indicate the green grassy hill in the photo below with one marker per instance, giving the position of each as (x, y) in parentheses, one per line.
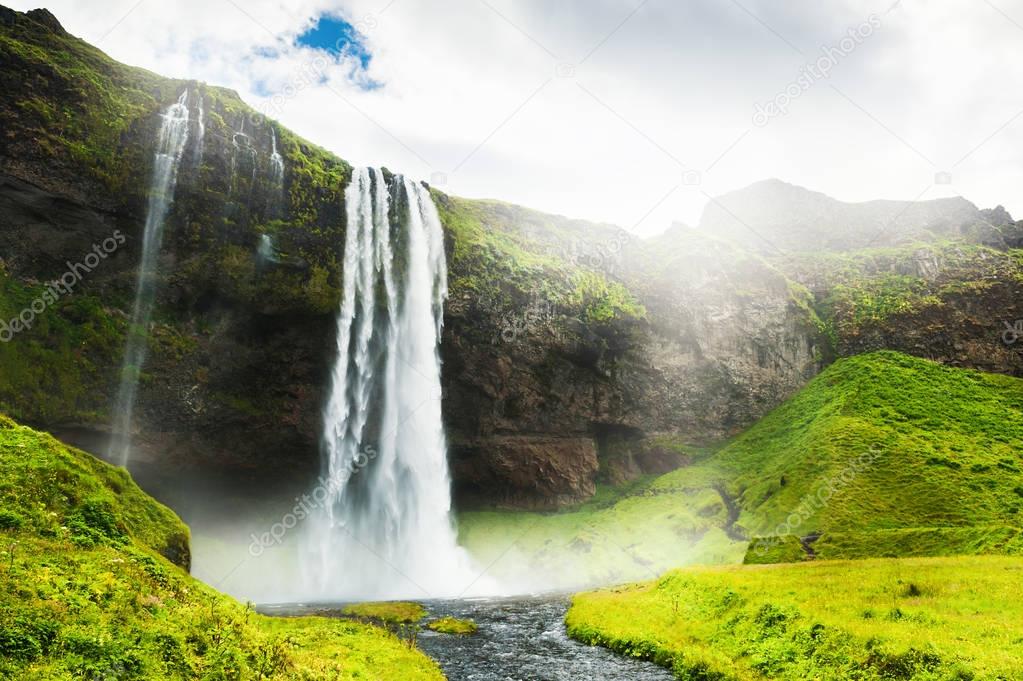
(917, 618)
(93, 585)
(881, 455)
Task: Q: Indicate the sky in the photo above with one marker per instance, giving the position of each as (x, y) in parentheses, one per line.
(633, 112)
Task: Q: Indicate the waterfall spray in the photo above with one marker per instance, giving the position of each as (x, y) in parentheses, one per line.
(169, 149)
(201, 130)
(275, 194)
(276, 162)
(385, 528)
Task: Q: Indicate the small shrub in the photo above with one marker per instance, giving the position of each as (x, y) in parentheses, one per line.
(9, 520)
(94, 523)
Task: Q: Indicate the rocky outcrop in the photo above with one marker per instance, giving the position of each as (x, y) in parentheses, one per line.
(527, 471)
(957, 303)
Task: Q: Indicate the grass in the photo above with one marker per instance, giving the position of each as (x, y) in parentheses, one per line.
(882, 454)
(453, 625)
(93, 585)
(880, 442)
(932, 618)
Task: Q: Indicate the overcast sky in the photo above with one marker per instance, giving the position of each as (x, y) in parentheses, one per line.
(627, 111)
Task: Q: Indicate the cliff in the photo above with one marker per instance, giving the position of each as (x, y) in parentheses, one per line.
(573, 352)
(551, 359)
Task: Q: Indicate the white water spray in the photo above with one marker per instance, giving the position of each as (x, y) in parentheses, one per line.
(275, 194)
(276, 161)
(201, 137)
(385, 530)
(169, 149)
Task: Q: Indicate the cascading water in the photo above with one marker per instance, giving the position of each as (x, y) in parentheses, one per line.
(169, 149)
(201, 133)
(276, 161)
(385, 528)
(275, 194)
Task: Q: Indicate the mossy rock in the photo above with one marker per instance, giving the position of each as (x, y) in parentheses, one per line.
(390, 612)
(453, 625)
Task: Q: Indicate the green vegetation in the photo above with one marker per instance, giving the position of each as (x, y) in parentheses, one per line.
(882, 454)
(453, 625)
(92, 586)
(81, 106)
(60, 368)
(925, 619)
(391, 612)
(506, 255)
(869, 287)
(879, 442)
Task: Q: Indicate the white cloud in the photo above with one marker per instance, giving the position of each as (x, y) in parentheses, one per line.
(463, 93)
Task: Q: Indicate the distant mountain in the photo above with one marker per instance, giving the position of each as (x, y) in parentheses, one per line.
(774, 217)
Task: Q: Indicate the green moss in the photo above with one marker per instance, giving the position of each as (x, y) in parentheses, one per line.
(61, 367)
(453, 625)
(603, 300)
(100, 101)
(506, 254)
(391, 612)
(867, 288)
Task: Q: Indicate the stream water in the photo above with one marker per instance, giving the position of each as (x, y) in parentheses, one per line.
(519, 639)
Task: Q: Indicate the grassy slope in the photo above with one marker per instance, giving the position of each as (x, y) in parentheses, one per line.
(934, 618)
(85, 591)
(943, 452)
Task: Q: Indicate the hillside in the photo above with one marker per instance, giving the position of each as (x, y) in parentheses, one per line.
(921, 619)
(775, 218)
(94, 585)
(880, 455)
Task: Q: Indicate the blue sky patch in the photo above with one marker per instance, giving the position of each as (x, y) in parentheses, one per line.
(338, 37)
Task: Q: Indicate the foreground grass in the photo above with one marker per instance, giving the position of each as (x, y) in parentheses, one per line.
(916, 618)
(88, 590)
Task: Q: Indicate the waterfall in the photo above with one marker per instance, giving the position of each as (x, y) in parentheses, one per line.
(276, 162)
(169, 149)
(275, 194)
(265, 251)
(384, 528)
(201, 137)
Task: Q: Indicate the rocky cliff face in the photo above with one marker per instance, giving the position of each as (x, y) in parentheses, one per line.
(551, 361)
